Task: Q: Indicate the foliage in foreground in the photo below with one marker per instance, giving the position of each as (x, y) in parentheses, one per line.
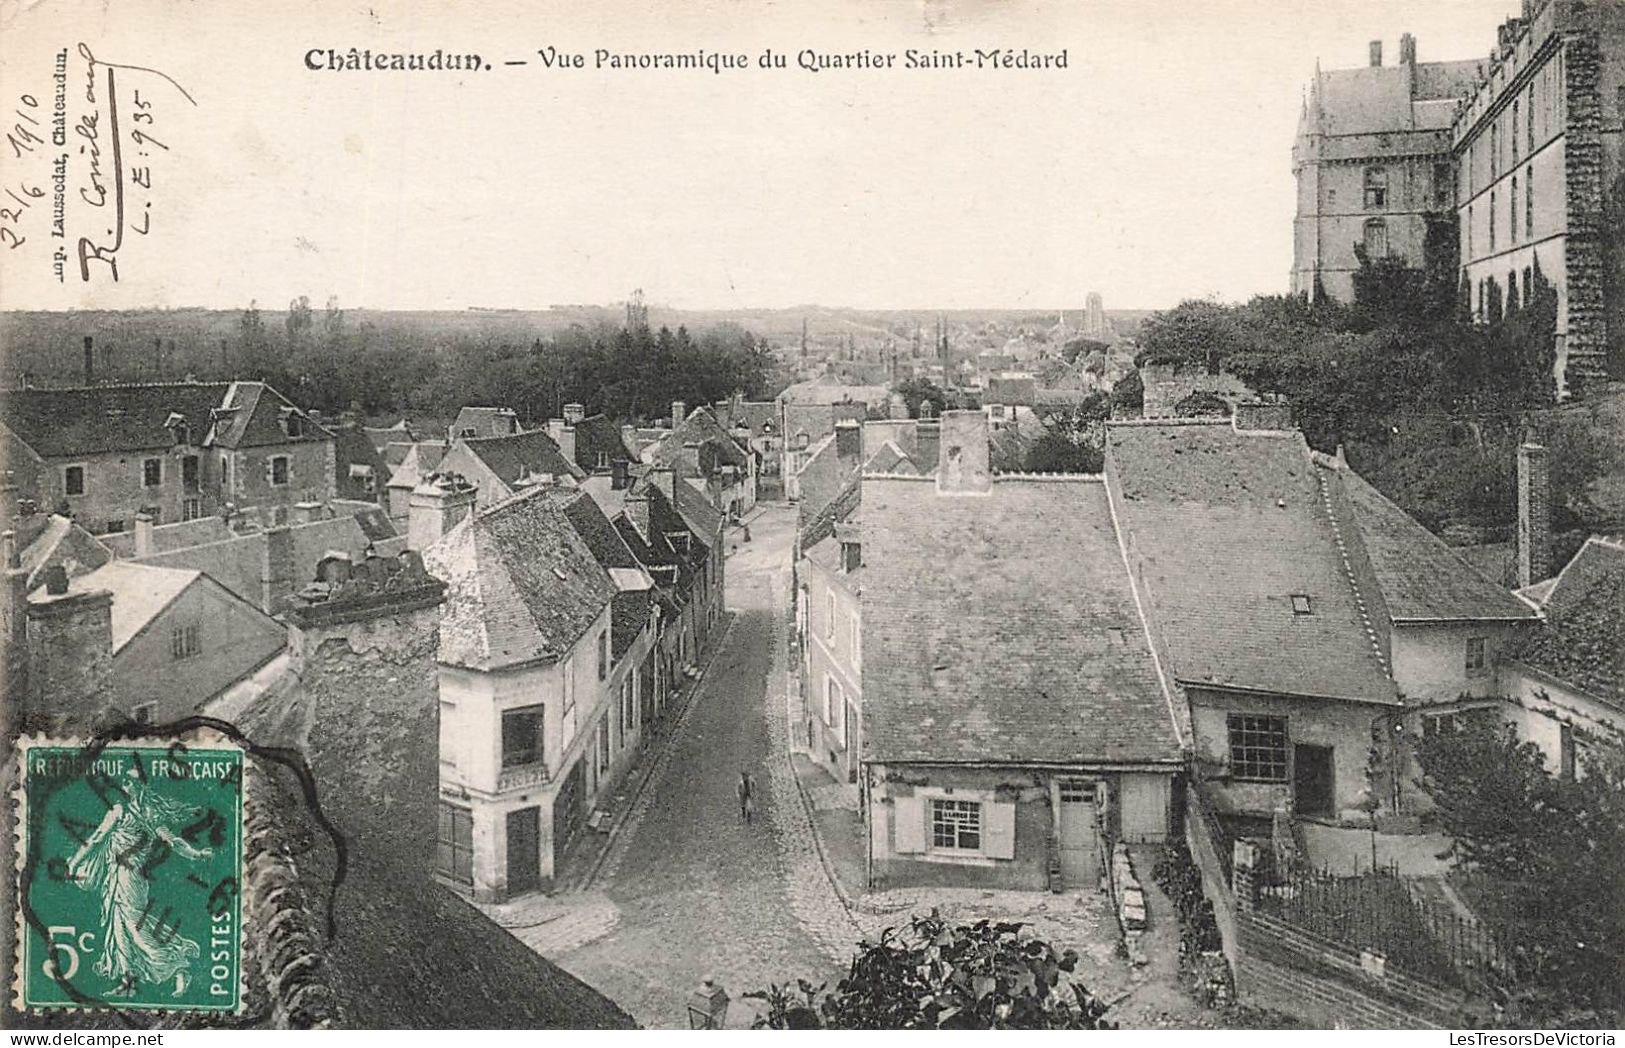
(983, 976)
(1542, 861)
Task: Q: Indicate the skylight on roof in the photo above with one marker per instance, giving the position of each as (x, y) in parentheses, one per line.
(1301, 604)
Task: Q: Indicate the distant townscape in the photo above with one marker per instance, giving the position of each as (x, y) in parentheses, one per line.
(1264, 662)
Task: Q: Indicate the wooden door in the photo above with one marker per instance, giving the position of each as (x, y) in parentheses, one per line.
(524, 849)
(1312, 779)
(1079, 844)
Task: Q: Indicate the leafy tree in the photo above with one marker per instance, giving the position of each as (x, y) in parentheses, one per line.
(917, 391)
(1545, 856)
(934, 976)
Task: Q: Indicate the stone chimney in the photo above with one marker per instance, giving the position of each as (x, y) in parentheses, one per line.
(619, 474)
(70, 652)
(143, 535)
(436, 506)
(848, 439)
(364, 650)
(1376, 53)
(1270, 412)
(574, 413)
(90, 361)
(1534, 516)
(276, 570)
(964, 468)
(629, 439)
(679, 413)
(1407, 49)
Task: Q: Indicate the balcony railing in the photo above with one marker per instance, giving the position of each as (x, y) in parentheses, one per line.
(533, 774)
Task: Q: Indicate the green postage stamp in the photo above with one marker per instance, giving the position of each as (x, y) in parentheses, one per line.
(130, 873)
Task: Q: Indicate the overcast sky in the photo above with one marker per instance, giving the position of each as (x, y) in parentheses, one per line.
(1155, 167)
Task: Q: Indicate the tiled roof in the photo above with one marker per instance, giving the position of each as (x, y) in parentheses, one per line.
(702, 518)
(485, 422)
(597, 434)
(889, 458)
(821, 525)
(702, 428)
(628, 617)
(92, 420)
(352, 448)
(761, 417)
(54, 540)
(1003, 628)
(1583, 639)
(419, 462)
(513, 457)
(1422, 579)
(524, 585)
(140, 593)
(1224, 529)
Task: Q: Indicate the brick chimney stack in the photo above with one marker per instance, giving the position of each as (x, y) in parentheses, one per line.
(679, 413)
(364, 649)
(562, 432)
(1534, 515)
(1376, 53)
(964, 468)
(90, 361)
(573, 414)
(1407, 50)
(436, 506)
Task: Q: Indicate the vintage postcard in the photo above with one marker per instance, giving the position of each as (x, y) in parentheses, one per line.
(813, 514)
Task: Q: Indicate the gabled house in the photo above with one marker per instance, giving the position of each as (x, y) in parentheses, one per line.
(478, 423)
(1566, 678)
(538, 716)
(1309, 622)
(1015, 718)
(361, 470)
(754, 423)
(417, 463)
(174, 451)
(593, 442)
(699, 449)
(501, 466)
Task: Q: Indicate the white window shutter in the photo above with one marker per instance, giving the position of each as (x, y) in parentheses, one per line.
(999, 830)
(908, 825)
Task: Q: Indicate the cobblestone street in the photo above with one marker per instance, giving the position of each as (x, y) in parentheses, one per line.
(694, 891)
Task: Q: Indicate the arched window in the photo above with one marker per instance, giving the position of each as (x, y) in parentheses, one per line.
(1512, 211)
(1514, 130)
(1492, 220)
(1512, 291)
(1376, 187)
(1376, 238)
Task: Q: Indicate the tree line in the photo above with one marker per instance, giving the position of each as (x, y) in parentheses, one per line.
(322, 359)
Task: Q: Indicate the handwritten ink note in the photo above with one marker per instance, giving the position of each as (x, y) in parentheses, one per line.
(84, 164)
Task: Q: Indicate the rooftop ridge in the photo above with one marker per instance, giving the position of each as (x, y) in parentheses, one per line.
(1170, 421)
(1348, 572)
(191, 383)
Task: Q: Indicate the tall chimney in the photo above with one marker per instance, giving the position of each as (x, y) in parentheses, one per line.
(964, 468)
(70, 652)
(143, 535)
(1407, 50)
(665, 478)
(90, 361)
(574, 413)
(1534, 515)
(1376, 52)
(366, 662)
(848, 439)
(436, 506)
(678, 413)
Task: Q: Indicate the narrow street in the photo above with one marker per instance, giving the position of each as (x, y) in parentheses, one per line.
(697, 892)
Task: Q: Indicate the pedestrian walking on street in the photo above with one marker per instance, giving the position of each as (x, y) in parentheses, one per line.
(747, 803)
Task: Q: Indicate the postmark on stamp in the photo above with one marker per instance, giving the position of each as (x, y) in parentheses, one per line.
(130, 868)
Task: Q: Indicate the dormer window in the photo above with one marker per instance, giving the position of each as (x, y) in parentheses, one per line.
(179, 431)
(1301, 604)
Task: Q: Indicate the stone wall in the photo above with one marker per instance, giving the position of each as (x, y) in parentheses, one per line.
(1166, 385)
(369, 673)
(1587, 341)
(70, 656)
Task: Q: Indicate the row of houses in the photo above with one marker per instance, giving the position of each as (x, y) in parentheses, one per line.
(1016, 669)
